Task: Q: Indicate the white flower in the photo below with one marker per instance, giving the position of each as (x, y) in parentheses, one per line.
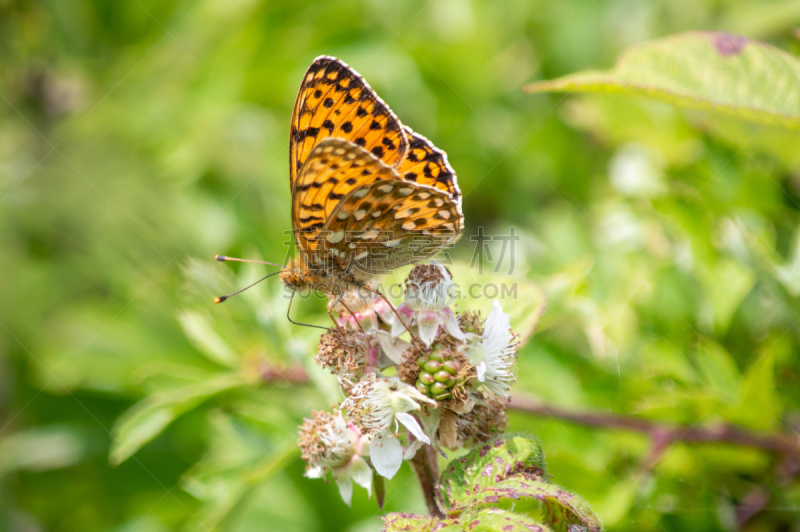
(381, 405)
(495, 352)
(429, 291)
(329, 443)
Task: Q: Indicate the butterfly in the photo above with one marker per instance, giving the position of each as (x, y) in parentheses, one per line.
(368, 193)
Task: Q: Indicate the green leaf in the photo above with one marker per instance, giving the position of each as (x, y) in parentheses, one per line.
(225, 490)
(149, 417)
(494, 520)
(560, 508)
(506, 456)
(199, 329)
(482, 520)
(711, 71)
(510, 468)
(718, 369)
(726, 284)
(398, 522)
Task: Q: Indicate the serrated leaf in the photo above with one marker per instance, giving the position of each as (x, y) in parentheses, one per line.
(510, 468)
(482, 520)
(398, 522)
(511, 455)
(494, 520)
(561, 508)
(711, 71)
(149, 417)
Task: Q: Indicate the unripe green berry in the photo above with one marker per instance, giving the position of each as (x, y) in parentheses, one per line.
(451, 366)
(438, 374)
(426, 378)
(443, 376)
(437, 355)
(432, 366)
(439, 390)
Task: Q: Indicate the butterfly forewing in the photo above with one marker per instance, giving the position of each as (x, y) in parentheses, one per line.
(426, 164)
(334, 101)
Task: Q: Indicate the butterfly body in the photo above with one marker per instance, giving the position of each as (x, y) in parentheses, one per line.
(368, 193)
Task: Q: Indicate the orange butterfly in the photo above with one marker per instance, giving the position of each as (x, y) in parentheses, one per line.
(368, 194)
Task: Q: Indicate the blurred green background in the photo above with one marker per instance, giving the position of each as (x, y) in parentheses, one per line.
(138, 139)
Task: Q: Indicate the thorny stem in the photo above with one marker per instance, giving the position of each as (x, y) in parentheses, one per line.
(427, 470)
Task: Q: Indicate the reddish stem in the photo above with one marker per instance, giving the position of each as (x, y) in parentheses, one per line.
(427, 469)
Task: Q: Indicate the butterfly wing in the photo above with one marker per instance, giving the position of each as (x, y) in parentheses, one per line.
(426, 164)
(335, 101)
(333, 170)
(388, 223)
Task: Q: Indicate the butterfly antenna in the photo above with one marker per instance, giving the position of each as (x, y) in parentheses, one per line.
(223, 258)
(223, 298)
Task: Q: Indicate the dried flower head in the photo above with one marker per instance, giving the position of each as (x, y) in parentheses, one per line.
(329, 444)
(364, 308)
(348, 356)
(486, 420)
(429, 292)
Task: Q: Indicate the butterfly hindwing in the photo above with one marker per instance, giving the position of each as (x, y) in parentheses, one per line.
(335, 101)
(386, 224)
(333, 170)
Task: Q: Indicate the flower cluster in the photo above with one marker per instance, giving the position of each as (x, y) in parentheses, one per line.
(420, 375)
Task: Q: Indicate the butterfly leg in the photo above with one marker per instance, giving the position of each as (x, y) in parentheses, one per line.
(397, 314)
(288, 310)
(341, 329)
(340, 301)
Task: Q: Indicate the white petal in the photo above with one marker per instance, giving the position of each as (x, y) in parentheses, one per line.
(412, 449)
(394, 348)
(345, 488)
(386, 454)
(361, 473)
(314, 472)
(498, 323)
(481, 369)
(412, 425)
(428, 325)
(384, 311)
(406, 314)
(402, 402)
(451, 324)
(397, 328)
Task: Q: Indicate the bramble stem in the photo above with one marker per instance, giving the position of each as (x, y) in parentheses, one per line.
(786, 444)
(662, 433)
(427, 470)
